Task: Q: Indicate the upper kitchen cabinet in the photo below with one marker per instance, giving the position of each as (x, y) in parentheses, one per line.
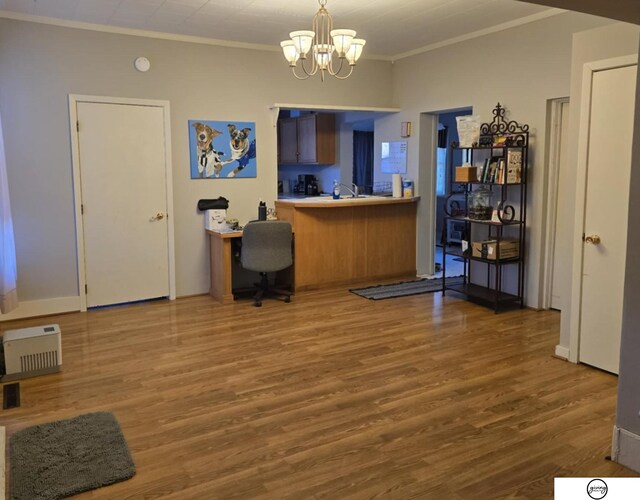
(308, 139)
(288, 140)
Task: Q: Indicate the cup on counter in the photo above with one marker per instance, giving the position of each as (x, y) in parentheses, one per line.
(407, 188)
(396, 181)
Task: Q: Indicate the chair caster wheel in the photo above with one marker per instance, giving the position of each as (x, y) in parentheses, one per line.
(258, 303)
(287, 299)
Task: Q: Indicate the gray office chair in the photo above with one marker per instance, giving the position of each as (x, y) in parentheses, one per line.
(266, 248)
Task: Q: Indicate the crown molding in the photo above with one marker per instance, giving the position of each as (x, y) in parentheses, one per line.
(325, 107)
(19, 16)
(476, 34)
(160, 35)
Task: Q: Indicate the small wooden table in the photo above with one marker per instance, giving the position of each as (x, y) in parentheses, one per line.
(220, 259)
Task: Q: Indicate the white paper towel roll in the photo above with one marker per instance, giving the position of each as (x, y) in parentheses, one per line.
(397, 186)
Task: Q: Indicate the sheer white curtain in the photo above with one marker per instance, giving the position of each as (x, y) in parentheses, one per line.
(8, 271)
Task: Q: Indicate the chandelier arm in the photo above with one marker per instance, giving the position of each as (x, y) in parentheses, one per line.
(314, 67)
(345, 76)
(335, 73)
(293, 70)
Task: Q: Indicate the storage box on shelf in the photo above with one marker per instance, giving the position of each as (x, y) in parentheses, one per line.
(466, 173)
(489, 249)
(493, 209)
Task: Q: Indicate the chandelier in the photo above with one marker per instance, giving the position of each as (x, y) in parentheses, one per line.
(322, 41)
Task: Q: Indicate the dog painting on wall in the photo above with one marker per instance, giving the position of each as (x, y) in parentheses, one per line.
(213, 156)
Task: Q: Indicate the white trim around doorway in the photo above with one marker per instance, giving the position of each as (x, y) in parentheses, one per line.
(74, 99)
(551, 202)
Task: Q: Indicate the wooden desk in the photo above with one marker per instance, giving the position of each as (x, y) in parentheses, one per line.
(220, 260)
(222, 268)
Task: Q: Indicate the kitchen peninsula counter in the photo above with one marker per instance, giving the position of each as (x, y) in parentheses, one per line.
(351, 240)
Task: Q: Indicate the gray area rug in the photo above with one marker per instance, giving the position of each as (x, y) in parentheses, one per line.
(66, 457)
(405, 288)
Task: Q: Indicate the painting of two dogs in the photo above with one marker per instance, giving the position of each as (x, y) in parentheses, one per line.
(213, 155)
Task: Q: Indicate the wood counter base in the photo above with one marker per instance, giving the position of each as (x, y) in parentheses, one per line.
(349, 243)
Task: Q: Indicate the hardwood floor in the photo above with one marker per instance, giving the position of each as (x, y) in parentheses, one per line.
(331, 396)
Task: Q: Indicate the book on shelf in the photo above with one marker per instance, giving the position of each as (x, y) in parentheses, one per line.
(483, 169)
(487, 171)
(493, 172)
(514, 167)
(500, 174)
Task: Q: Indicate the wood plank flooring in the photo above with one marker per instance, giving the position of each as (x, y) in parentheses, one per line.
(330, 396)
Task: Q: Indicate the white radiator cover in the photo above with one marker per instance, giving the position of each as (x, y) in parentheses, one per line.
(32, 351)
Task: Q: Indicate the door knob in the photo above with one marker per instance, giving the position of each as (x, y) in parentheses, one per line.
(158, 216)
(594, 239)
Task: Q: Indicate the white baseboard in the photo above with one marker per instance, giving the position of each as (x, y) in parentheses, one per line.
(562, 352)
(625, 448)
(33, 308)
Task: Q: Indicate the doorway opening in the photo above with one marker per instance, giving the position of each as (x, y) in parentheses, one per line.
(447, 159)
(363, 151)
(556, 279)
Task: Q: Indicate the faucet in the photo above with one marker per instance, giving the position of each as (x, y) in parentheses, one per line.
(354, 192)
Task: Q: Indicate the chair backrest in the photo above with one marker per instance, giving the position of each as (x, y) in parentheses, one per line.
(266, 246)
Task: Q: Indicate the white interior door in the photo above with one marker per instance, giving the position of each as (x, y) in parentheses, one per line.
(606, 214)
(124, 198)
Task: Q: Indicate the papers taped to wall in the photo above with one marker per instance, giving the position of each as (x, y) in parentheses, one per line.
(468, 130)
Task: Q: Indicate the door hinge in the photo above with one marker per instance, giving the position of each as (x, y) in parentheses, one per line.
(583, 236)
(77, 126)
(82, 208)
(86, 289)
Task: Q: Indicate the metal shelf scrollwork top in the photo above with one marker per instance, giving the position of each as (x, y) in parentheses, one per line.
(516, 135)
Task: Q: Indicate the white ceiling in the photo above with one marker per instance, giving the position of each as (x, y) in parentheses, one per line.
(391, 27)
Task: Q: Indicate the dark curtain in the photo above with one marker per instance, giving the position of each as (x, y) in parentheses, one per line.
(363, 160)
(442, 137)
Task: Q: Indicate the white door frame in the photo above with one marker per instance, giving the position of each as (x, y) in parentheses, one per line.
(74, 99)
(551, 202)
(581, 193)
(426, 186)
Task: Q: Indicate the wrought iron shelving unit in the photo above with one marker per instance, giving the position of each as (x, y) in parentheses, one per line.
(484, 279)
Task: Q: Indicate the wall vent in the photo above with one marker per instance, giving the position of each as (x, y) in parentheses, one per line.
(38, 361)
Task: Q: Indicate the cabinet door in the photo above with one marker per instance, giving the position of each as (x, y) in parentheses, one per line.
(326, 139)
(287, 141)
(307, 139)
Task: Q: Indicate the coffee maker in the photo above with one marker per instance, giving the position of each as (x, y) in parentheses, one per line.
(308, 185)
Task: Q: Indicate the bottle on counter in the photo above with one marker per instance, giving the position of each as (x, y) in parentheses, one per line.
(336, 190)
(262, 211)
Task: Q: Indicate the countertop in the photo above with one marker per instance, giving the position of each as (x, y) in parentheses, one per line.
(329, 202)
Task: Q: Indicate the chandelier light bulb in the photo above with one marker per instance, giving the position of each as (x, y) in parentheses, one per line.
(322, 54)
(302, 41)
(290, 52)
(342, 40)
(355, 50)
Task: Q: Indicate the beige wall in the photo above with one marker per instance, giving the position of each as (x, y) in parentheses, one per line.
(41, 64)
(521, 68)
